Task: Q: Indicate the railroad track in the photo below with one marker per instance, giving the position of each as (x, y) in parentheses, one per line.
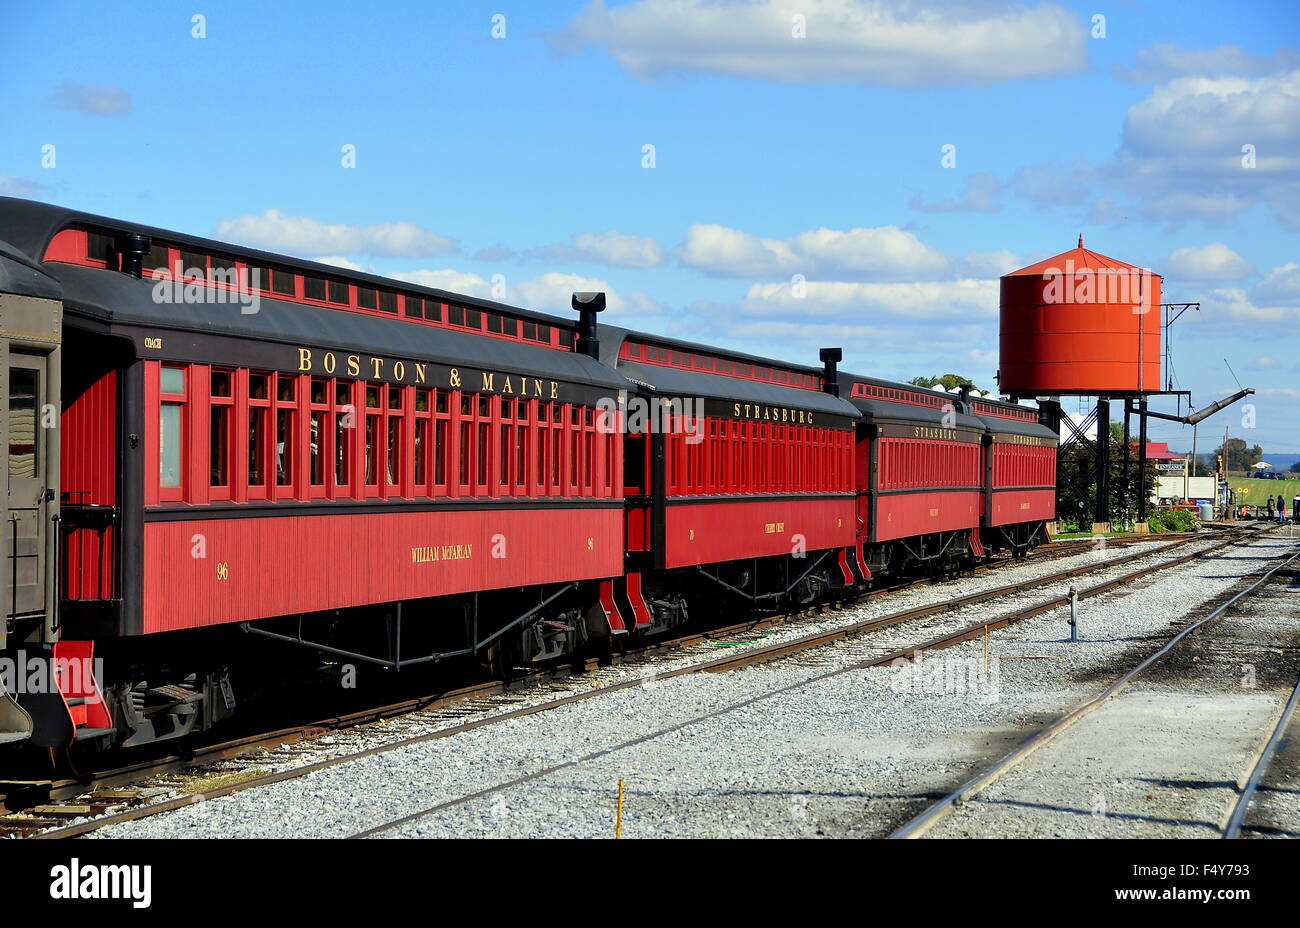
(103, 790)
(924, 822)
(752, 655)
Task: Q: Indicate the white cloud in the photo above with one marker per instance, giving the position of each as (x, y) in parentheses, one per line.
(98, 99)
(345, 263)
(302, 235)
(1197, 148)
(1264, 363)
(973, 300)
(612, 247)
(549, 292)
(882, 253)
(1215, 261)
(1215, 116)
(1281, 286)
(1233, 302)
(900, 43)
(1166, 61)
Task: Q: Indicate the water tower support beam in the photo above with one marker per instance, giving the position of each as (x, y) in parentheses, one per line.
(1125, 494)
(1101, 512)
(1142, 459)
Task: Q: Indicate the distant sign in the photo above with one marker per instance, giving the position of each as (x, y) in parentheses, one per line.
(1172, 468)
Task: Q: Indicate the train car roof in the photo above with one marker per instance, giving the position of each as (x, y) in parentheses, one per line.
(29, 226)
(899, 409)
(118, 299)
(674, 381)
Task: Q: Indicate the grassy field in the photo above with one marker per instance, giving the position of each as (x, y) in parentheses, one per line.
(1259, 490)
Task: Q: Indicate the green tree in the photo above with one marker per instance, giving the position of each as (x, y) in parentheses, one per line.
(948, 381)
(1238, 456)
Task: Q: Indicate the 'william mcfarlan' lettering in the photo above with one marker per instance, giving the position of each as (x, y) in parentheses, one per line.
(425, 554)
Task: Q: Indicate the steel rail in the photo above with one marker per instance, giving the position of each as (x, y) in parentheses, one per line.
(920, 824)
(727, 662)
(1238, 818)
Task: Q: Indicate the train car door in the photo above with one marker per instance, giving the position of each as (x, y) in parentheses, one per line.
(27, 520)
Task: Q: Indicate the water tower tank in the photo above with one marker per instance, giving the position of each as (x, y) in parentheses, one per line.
(1080, 323)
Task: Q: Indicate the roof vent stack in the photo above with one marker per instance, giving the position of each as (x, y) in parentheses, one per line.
(831, 378)
(133, 247)
(588, 303)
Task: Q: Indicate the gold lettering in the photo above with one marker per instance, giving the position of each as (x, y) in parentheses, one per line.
(330, 362)
(488, 380)
(354, 365)
(506, 386)
(419, 372)
(737, 412)
(377, 364)
(399, 370)
(304, 359)
(555, 390)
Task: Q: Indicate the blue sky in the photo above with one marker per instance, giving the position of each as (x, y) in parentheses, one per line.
(775, 155)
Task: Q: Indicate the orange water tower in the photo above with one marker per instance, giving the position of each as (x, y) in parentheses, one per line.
(1080, 323)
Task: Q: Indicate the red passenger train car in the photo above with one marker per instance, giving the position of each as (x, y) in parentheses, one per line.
(242, 448)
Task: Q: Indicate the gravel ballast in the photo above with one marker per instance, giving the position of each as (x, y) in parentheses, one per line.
(853, 753)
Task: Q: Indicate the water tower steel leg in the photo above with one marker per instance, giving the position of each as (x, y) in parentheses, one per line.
(1102, 513)
(1142, 459)
(1126, 494)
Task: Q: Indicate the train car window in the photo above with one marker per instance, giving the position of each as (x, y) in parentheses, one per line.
(23, 428)
(521, 457)
(415, 307)
(221, 383)
(543, 333)
(394, 397)
(482, 455)
(387, 302)
(173, 380)
(510, 327)
(169, 445)
(455, 314)
(285, 387)
(338, 292)
(483, 406)
(439, 452)
(194, 264)
(464, 404)
(343, 441)
(530, 329)
(365, 298)
(421, 400)
(440, 404)
(555, 456)
(541, 450)
(284, 447)
(394, 450)
(473, 319)
(421, 473)
(433, 311)
(313, 288)
(494, 323)
(257, 386)
(465, 436)
(372, 397)
(100, 247)
(259, 278)
(219, 417)
(372, 451)
(159, 258)
(319, 393)
(256, 446)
